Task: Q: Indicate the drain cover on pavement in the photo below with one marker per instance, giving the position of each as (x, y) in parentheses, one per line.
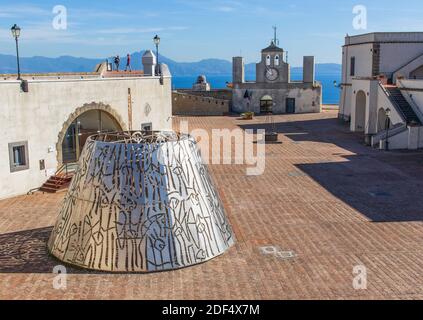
(296, 174)
(285, 255)
(277, 252)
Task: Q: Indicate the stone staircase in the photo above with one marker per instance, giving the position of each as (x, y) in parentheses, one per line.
(61, 180)
(402, 104)
(57, 183)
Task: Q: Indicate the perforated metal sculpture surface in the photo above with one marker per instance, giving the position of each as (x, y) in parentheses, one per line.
(140, 203)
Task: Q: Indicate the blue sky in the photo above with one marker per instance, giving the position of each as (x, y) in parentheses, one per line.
(192, 30)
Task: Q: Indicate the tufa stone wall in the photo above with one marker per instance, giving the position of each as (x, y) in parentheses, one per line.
(197, 105)
(223, 94)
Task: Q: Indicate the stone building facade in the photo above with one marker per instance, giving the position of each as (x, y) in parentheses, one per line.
(382, 71)
(45, 123)
(273, 91)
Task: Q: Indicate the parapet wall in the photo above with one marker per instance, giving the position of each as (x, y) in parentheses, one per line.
(223, 94)
(197, 105)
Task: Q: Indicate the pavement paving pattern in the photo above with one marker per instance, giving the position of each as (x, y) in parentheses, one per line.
(325, 204)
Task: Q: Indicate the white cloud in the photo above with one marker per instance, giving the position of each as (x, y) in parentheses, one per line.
(43, 33)
(89, 14)
(128, 30)
(140, 30)
(18, 10)
(329, 35)
(225, 9)
(178, 28)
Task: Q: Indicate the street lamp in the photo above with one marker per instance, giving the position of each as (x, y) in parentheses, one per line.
(387, 126)
(156, 41)
(336, 85)
(16, 32)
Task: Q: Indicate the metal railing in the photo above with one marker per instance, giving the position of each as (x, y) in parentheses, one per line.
(66, 169)
(382, 135)
(393, 102)
(413, 103)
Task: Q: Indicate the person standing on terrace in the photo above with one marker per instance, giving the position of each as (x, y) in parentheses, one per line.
(117, 62)
(128, 63)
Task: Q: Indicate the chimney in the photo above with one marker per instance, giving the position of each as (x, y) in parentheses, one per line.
(238, 70)
(308, 69)
(149, 62)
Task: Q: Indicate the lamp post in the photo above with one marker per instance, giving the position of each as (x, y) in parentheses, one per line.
(16, 32)
(336, 85)
(156, 41)
(387, 126)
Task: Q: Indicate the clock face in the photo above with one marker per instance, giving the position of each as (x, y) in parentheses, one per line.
(272, 74)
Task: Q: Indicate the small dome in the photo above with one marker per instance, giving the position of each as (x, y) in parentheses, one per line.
(202, 79)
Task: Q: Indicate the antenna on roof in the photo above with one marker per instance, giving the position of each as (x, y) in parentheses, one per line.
(275, 38)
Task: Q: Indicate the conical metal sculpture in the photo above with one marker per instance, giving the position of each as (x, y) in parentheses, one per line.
(140, 203)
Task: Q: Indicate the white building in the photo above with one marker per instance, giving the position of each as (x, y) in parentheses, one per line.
(273, 91)
(45, 122)
(383, 71)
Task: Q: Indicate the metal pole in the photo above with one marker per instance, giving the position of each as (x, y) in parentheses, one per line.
(157, 54)
(388, 121)
(274, 38)
(17, 57)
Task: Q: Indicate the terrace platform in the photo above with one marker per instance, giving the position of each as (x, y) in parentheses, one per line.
(326, 203)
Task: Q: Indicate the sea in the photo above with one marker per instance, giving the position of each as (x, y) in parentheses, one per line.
(331, 94)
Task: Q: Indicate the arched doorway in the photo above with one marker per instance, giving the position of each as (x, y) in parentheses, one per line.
(381, 120)
(85, 121)
(266, 104)
(360, 112)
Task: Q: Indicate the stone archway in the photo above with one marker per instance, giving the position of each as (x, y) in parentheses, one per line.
(79, 112)
(360, 112)
(266, 104)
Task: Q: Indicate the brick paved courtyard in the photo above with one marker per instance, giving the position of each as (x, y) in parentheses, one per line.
(332, 201)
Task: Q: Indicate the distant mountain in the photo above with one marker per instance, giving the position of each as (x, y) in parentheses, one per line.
(73, 64)
(44, 65)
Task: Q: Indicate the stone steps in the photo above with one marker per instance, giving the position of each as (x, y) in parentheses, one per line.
(398, 100)
(56, 184)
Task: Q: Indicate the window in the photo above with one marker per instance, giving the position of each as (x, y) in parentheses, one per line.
(352, 73)
(268, 60)
(18, 156)
(147, 127)
(277, 60)
(42, 165)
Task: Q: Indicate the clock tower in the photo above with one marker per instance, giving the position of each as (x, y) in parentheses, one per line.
(273, 91)
(272, 68)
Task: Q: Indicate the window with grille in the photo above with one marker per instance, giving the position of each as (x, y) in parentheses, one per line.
(18, 156)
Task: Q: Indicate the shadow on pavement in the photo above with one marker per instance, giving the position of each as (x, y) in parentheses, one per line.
(383, 186)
